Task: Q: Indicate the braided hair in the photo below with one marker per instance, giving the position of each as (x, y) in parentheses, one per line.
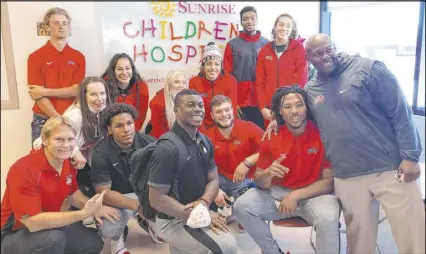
(277, 99)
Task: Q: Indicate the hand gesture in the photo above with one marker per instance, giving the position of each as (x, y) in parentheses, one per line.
(108, 213)
(94, 204)
(272, 128)
(409, 170)
(218, 223)
(221, 198)
(276, 169)
(240, 173)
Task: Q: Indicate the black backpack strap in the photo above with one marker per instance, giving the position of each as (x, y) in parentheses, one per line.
(182, 154)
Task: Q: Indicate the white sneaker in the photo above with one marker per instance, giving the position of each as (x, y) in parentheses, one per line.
(118, 247)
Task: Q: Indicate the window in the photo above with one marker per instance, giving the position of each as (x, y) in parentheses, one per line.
(387, 32)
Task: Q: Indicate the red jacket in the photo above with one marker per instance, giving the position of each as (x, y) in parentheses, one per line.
(131, 99)
(158, 115)
(225, 84)
(271, 72)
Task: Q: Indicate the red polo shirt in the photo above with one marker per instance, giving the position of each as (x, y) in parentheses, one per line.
(225, 84)
(305, 156)
(244, 141)
(33, 186)
(55, 69)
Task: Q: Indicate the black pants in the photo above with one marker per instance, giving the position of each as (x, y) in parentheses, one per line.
(84, 181)
(253, 114)
(74, 238)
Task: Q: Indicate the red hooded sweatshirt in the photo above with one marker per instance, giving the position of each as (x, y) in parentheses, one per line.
(158, 115)
(225, 84)
(271, 72)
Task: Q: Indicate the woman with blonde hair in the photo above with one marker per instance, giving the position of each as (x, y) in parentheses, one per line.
(162, 105)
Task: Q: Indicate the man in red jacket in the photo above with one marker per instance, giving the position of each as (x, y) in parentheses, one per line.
(240, 60)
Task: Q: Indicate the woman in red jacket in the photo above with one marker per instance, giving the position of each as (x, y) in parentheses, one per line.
(281, 62)
(212, 80)
(126, 85)
(162, 104)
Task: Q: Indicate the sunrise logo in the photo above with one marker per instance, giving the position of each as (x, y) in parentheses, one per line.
(163, 9)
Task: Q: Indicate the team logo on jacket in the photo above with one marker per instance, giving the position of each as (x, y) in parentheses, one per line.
(319, 99)
(237, 142)
(69, 179)
(71, 62)
(268, 58)
(312, 150)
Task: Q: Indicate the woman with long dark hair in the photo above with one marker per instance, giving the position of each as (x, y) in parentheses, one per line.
(281, 62)
(126, 85)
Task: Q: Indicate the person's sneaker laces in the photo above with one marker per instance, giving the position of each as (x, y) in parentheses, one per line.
(118, 247)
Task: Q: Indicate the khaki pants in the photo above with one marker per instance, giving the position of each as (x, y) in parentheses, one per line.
(360, 198)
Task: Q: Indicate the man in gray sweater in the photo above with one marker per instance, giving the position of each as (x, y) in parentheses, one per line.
(371, 140)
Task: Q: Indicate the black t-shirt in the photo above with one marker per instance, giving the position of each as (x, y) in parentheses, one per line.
(192, 180)
(110, 165)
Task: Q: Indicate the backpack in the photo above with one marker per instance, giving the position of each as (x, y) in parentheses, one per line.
(139, 176)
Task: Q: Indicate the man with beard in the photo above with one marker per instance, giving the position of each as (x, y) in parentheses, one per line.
(372, 141)
(111, 170)
(293, 178)
(174, 193)
(236, 144)
(240, 59)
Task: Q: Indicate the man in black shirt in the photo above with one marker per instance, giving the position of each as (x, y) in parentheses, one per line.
(111, 169)
(196, 183)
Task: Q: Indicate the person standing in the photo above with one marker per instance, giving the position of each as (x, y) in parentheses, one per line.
(240, 59)
(372, 141)
(54, 71)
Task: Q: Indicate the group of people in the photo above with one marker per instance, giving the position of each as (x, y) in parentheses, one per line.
(286, 128)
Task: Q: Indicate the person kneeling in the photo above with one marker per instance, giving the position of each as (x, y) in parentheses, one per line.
(38, 188)
(174, 193)
(293, 179)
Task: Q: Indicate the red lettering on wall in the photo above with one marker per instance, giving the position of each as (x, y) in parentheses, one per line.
(125, 30)
(152, 28)
(202, 27)
(177, 53)
(172, 33)
(143, 53)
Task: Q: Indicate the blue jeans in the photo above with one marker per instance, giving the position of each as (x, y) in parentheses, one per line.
(257, 206)
(231, 188)
(113, 231)
(37, 125)
(74, 238)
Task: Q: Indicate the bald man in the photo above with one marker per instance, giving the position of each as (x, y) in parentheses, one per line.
(372, 143)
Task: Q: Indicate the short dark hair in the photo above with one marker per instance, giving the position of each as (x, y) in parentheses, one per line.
(183, 93)
(218, 100)
(115, 109)
(247, 9)
(282, 92)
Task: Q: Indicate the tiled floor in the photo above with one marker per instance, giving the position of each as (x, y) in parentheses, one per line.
(295, 240)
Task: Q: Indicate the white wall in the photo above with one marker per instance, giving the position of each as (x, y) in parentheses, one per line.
(87, 37)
